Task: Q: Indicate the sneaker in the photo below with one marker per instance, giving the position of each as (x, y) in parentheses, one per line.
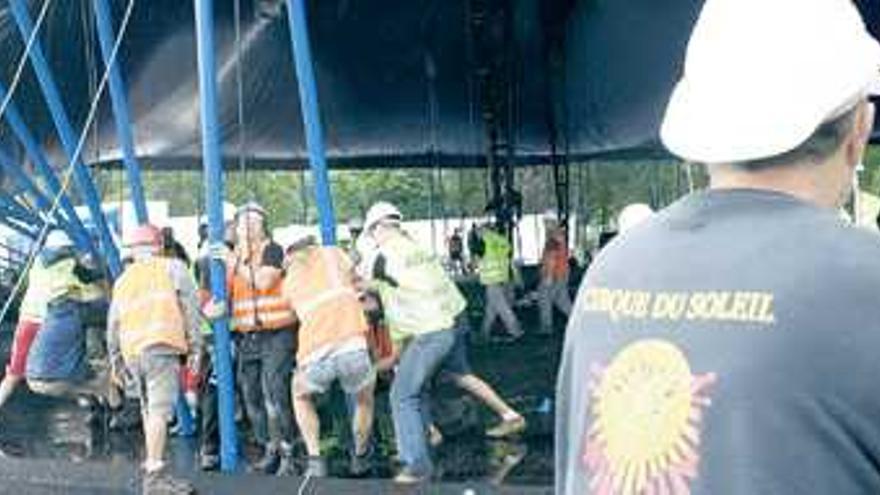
(316, 467)
(435, 436)
(409, 477)
(162, 483)
(507, 428)
(268, 464)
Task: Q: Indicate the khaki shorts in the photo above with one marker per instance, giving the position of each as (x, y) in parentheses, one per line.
(157, 378)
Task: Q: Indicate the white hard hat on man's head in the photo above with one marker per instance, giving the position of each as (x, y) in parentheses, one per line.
(381, 211)
(761, 76)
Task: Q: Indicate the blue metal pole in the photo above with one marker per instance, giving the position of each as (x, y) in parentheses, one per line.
(68, 137)
(13, 224)
(19, 128)
(214, 199)
(10, 167)
(119, 101)
(308, 97)
(20, 212)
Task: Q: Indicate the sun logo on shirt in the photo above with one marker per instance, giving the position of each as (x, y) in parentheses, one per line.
(646, 416)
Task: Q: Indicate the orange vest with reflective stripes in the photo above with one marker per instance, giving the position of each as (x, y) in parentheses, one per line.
(256, 310)
(320, 289)
(148, 308)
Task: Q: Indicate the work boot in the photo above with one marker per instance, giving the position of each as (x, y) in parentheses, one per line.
(316, 467)
(162, 483)
(267, 464)
(208, 461)
(287, 465)
(360, 465)
(507, 428)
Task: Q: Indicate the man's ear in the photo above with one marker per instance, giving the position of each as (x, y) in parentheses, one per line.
(858, 140)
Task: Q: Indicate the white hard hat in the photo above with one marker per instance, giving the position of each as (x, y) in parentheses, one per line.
(57, 239)
(550, 215)
(632, 215)
(250, 207)
(380, 211)
(761, 76)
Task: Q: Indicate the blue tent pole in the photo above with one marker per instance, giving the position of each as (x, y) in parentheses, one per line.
(214, 199)
(67, 135)
(12, 223)
(20, 212)
(21, 131)
(119, 101)
(308, 97)
(11, 168)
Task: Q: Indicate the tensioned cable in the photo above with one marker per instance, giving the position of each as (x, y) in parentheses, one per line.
(19, 69)
(68, 173)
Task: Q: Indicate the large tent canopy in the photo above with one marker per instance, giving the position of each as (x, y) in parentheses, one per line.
(395, 79)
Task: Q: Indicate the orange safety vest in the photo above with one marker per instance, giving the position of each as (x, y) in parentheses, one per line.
(320, 289)
(256, 310)
(149, 310)
(554, 264)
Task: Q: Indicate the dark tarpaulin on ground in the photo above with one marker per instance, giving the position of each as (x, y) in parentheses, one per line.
(600, 71)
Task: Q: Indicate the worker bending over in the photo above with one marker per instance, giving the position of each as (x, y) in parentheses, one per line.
(320, 287)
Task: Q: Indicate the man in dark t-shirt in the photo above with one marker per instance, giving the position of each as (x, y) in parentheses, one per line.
(728, 345)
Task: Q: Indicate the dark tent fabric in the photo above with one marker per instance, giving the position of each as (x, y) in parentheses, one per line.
(599, 73)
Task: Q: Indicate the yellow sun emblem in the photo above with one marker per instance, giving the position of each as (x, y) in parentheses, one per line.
(646, 415)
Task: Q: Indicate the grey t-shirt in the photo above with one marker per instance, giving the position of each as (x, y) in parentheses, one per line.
(729, 345)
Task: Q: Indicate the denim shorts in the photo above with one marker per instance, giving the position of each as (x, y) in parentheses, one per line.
(353, 369)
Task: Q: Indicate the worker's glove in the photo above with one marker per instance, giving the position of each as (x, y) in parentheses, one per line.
(214, 310)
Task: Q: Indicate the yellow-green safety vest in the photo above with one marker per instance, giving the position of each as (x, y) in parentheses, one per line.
(425, 299)
(495, 263)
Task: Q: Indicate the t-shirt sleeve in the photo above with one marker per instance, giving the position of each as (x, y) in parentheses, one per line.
(273, 256)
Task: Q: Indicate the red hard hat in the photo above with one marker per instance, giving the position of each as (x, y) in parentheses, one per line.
(143, 235)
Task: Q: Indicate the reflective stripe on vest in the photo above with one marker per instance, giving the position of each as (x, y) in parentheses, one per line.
(254, 309)
(325, 300)
(148, 307)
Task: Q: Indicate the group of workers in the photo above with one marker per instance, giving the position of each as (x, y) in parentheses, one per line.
(491, 253)
(302, 318)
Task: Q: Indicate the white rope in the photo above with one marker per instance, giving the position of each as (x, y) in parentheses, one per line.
(68, 174)
(19, 70)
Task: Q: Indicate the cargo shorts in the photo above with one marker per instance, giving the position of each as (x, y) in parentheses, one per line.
(156, 374)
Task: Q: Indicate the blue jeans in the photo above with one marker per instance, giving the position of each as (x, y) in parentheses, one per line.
(409, 399)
